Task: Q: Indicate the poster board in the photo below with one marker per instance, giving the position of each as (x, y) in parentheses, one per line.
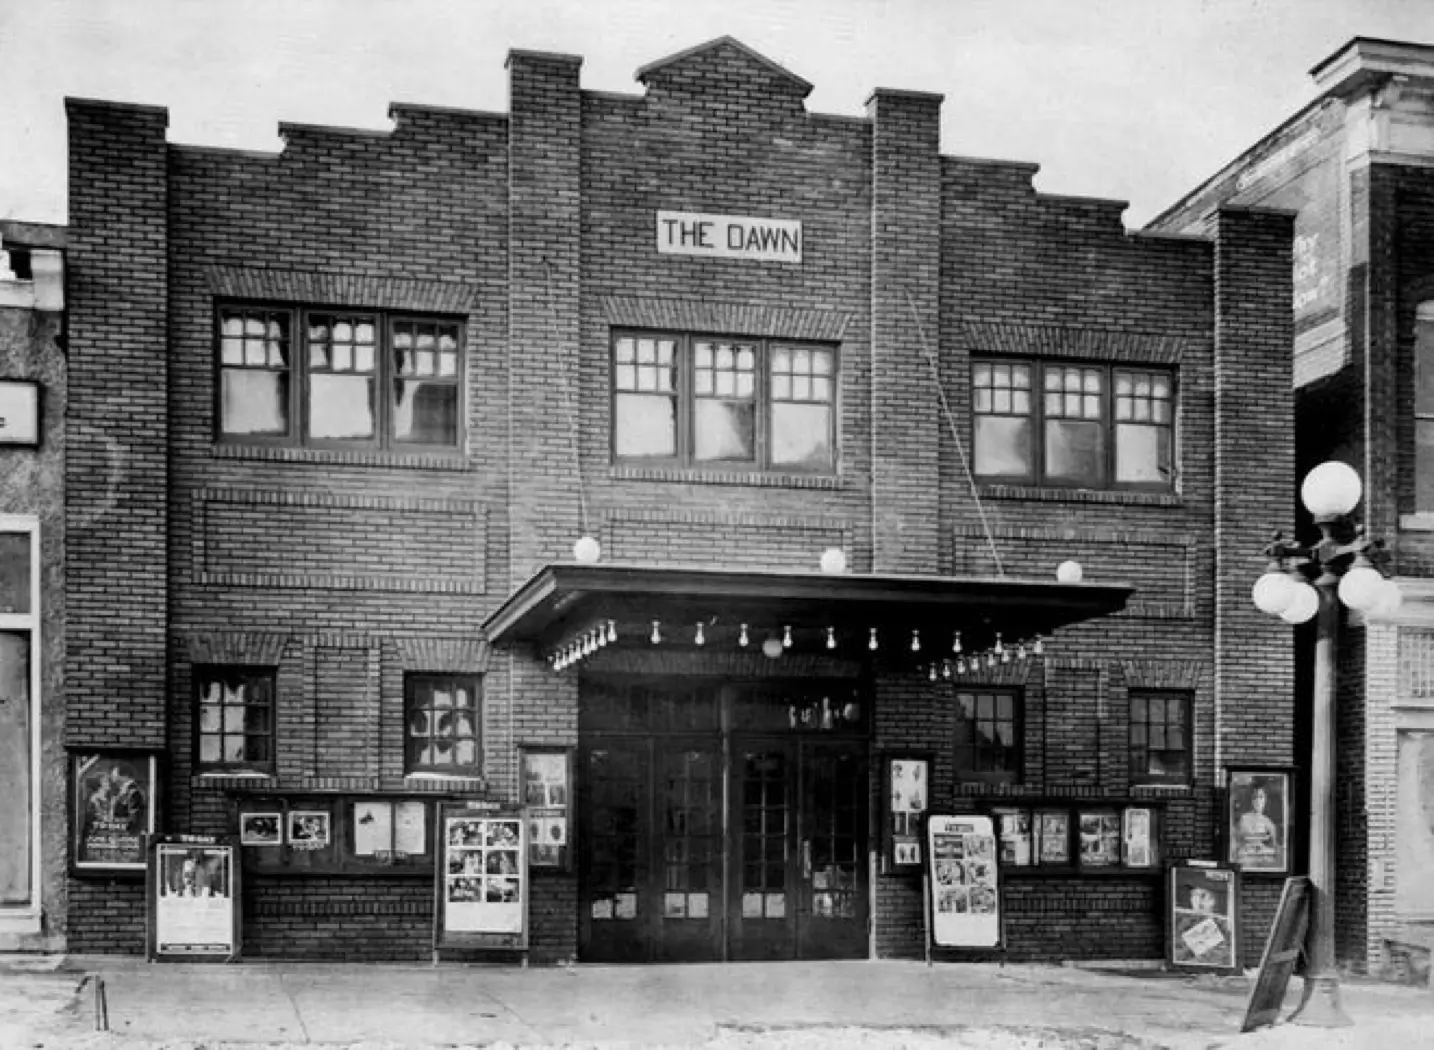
(1259, 806)
(1202, 917)
(481, 878)
(114, 808)
(964, 887)
(1282, 952)
(907, 795)
(193, 891)
(547, 779)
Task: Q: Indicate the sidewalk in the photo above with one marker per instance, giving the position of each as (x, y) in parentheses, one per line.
(795, 1005)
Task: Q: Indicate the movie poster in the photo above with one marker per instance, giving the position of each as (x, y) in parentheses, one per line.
(194, 899)
(482, 881)
(114, 808)
(964, 884)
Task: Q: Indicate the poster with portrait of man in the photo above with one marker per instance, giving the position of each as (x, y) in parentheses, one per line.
(1259, 805)
(114, 808)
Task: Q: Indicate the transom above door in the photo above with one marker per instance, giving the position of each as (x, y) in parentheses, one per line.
(722, 821)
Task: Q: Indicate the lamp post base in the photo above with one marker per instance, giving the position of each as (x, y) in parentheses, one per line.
(1320, 1008)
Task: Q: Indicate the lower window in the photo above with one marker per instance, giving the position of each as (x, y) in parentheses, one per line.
(988, 735)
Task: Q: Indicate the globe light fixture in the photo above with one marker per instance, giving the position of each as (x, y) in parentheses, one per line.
(1331, 490)
(833, 561)
(1069, 572)
(587, 550)
(1303, 583)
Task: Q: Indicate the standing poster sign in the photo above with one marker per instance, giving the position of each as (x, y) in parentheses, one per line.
(1203, 911)
(113, 808)
(965, 892)
(481, 878)
(193, 892)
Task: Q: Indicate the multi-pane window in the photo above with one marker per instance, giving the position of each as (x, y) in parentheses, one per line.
(340, 379)
(234, 724)
(1078, 425)
(988, 735)
(1424, 408)
(708, 401)
(1160, 736)
(444, 715)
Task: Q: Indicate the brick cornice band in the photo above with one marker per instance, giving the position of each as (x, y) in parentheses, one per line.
(688, 315)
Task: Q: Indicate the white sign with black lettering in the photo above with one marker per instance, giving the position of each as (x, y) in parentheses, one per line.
(729, 236)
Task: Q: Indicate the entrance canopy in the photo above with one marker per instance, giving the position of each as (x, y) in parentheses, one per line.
(565, 607)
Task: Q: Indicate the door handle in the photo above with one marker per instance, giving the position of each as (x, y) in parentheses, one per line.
(807, 859)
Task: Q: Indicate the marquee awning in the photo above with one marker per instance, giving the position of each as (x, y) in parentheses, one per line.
(563, 603)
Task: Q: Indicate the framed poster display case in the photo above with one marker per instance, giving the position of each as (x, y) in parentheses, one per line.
(481, 878)
(906, 797)
(335, 834)
(547, 786)
(964, 884)
(1202, 917)
(193, 891)
(1259, 807)
(114, 808)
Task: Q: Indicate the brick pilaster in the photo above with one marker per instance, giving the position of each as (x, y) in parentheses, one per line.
(905, 298)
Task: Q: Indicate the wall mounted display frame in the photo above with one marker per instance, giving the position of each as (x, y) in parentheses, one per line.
(1259, 808)
(1045, 837)
(546, 779)
(193, 891)
(335, 834)
(906, 798)
(1202, 917)
(963, 904)
(114, 808)
(481, 878)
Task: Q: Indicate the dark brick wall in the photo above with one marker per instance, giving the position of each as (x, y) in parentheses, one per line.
(546, 219)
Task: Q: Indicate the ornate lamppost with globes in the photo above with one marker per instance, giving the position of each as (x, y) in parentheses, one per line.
(1311, 582)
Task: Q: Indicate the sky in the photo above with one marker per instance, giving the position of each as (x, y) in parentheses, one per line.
(1133, 100)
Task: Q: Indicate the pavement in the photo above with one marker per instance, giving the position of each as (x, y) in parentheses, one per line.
(51, 1002)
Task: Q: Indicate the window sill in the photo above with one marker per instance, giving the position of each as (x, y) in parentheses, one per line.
(1159, 790)
(455, 460)
(233, 780)
(753, 478)
(1030, 871)
(443, 782)
(1057, 495)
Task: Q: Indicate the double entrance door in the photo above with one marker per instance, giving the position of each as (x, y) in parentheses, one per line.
(722, 822)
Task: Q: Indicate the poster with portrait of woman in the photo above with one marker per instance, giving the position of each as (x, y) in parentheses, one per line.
(1258, 821)
(113, 796)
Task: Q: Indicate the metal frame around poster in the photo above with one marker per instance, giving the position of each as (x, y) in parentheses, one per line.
(1195, 930)
(554, 811)
(108, 788)
(1240, 783)
(194, 876)
(904, 808)
(962, 884)
(488, 845)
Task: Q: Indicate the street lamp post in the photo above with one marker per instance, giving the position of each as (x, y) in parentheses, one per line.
(1310, 582)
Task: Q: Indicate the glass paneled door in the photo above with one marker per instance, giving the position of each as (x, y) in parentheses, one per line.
(721, 822)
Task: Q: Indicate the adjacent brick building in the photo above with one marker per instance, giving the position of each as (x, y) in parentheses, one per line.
(1357, 167)
(32, 607)
(372, 389)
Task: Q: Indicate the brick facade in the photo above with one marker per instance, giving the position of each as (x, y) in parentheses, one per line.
(346, 569)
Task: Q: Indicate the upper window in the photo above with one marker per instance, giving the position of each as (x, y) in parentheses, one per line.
(1424, 408)
(1159, 737)
(339, 378)
(1078, 425)
(988, 735)
(709, 401)
(444, 714)
(235, 725)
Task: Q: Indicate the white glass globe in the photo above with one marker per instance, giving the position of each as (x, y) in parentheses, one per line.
(1069, 572)
(1330, 490)
(1272, 592)
(587, 550)
(1303, 604)
(1361, 588)
(1389, 600)
(772, 647)
(833, 560)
